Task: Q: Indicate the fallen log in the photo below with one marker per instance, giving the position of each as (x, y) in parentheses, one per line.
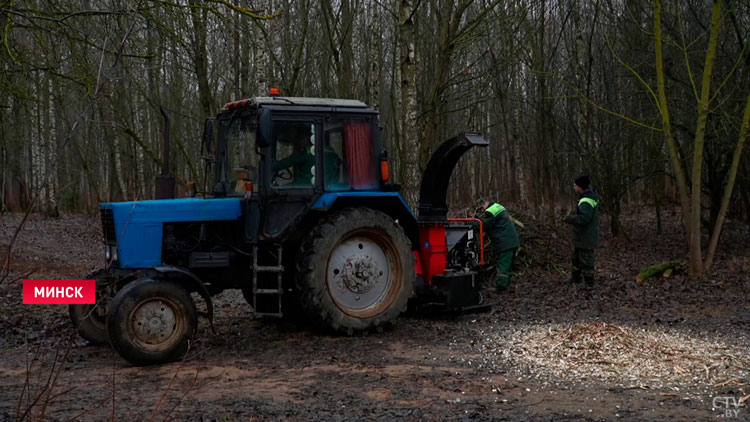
(665, 268)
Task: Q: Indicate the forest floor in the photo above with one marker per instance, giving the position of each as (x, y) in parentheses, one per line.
(663, 349)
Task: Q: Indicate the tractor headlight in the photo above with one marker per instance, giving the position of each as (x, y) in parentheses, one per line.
(110, 253)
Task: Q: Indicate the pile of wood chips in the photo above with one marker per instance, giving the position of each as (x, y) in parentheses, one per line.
(632, 356)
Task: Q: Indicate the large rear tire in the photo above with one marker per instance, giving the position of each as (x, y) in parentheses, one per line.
(151, 321)
(355, 273)
(91, 320)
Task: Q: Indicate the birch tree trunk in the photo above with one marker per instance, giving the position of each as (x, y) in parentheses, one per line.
(408, 104)
(261, 61)
(260, 66)
(244, 65)
(51, 159)
(119, 178)
(374, 79)
(37, 153)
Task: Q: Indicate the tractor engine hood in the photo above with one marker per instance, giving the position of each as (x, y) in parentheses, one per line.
(434, 188)
(136, 227)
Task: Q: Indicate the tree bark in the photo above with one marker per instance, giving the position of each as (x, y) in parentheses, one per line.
(714, 241)
(408, 104)
(346, 71)
(200, 65)
(679, 173)
(696, 258)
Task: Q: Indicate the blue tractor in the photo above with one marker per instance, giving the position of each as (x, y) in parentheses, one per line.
(301, 218)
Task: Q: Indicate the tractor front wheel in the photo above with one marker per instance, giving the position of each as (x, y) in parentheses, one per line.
(91, 320)
(151, 321)
(356, 271)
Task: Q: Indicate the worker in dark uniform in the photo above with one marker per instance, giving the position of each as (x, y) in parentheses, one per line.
(501, 231)
(585, 221)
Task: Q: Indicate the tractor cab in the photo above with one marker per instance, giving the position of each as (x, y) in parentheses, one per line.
(283, 153)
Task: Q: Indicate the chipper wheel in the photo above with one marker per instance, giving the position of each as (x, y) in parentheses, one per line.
(91, 320)
(356, 271)
(151, 321)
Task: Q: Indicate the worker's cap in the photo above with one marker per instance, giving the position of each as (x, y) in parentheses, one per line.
(482, 201)
(583, 182)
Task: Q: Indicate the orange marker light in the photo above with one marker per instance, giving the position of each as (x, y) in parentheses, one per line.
(273, 91)
(385, 172)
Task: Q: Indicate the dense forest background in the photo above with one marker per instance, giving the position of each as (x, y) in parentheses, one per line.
(648, 98)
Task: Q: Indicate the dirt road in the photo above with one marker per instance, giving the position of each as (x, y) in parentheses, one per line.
(661, 350)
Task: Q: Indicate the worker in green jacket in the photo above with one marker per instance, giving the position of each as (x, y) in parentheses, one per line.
(302, 162)
(501, 231)
(585, 221)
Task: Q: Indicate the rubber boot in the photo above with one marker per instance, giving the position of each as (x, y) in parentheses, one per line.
(575, 277)
(589, 281)
(502, 283)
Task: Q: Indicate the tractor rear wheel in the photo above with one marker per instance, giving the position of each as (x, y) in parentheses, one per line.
(355, 272)
(91, 320)
(151, 321)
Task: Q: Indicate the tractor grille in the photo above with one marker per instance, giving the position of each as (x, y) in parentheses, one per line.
(108, 225)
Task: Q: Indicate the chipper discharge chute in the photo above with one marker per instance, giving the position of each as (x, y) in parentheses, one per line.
(449, 251)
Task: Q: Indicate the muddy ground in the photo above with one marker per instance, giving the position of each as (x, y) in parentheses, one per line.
(664, 349)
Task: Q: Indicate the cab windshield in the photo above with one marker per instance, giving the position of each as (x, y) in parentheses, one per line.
(236, 136)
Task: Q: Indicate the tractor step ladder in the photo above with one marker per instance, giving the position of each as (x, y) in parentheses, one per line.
(267, 291)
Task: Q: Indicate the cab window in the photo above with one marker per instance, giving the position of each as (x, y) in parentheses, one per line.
(350, 162)
(243, 162)
(293, 164)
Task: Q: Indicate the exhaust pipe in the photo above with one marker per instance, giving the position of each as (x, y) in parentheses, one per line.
(165, 182)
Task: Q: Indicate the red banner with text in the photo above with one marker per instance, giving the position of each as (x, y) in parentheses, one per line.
(59, 292)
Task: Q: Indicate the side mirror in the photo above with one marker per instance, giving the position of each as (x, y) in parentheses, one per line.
(208, 136)
(265, 128)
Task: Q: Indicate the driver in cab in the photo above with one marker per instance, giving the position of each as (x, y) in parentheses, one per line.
(298, 168)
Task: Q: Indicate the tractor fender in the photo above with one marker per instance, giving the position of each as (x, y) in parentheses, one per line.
(193, 281)
(390, 203)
